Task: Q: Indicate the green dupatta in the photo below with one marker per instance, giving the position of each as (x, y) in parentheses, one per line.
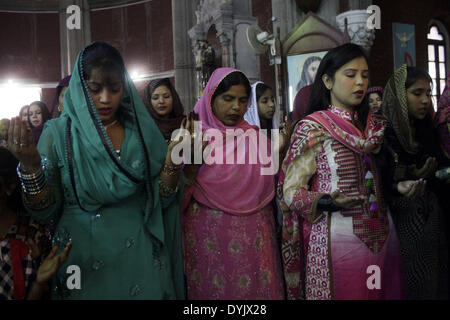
(88, 146)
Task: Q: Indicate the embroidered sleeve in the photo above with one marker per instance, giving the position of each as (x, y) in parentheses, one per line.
(299, 167)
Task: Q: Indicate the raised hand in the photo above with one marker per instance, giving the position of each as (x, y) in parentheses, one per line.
(21, 144)
(412, 188)
(285, 133)
(428, 169)
(342, 201)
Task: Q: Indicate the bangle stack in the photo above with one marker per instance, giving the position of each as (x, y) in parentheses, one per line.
(32, 183)
(171, 170)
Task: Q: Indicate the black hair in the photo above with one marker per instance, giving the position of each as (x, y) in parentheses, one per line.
(153, 85)
(104, 56)
(260, 89)
(414, 74)
(44, 112)
(334, 59)
(232, 79)
(8, 165)
(377, 92)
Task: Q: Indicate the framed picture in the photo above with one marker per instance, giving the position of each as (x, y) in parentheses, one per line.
(302, 70)
(404, 39)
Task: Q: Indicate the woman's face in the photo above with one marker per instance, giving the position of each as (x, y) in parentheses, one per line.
(25, 114)
(374, 102)
(418, 97)
(349, 85)
(266, 105)
(162, 101)
(312, 70)
(106, 90)
(4, 127)
(60, 100)
(230, 106)
(35, 115)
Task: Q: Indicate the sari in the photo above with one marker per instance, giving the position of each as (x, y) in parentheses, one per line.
(126, 237)
(331, 254)
(230, 248)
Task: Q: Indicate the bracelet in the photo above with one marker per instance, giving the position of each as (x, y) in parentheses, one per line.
(165, 190)
(171, 170)
(32, 183)
(43, 201)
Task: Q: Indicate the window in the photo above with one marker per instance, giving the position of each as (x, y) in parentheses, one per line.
(15, 96)
(436, 62)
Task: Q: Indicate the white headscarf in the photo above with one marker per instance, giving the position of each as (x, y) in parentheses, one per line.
(252, 116)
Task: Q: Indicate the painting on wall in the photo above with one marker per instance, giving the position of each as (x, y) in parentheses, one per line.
(302, 69)
(404, 37)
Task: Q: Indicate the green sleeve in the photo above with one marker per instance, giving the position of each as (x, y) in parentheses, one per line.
(52, 164)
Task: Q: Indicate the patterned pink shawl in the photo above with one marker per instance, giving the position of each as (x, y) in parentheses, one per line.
(238, 189)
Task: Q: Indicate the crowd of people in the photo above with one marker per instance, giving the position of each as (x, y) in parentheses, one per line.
(356, 209)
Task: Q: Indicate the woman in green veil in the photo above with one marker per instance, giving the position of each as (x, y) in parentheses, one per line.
(104, 172)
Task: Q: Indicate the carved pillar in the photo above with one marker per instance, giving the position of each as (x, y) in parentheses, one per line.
(223, 19)
(230, 19)
(182, 20)
(357, 28)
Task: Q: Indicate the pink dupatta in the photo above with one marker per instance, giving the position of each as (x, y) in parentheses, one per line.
(371, 226)
(238, 189)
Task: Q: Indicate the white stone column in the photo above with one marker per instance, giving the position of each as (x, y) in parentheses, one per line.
(73, 41)
(183, 18)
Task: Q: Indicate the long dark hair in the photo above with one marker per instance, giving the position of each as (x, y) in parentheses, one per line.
(166, 126)
(44, 112)
(232, 79)
(335, 58)
(104, 56)
(153, 85)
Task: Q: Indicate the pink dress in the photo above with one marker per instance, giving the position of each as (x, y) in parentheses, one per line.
(346, 254)
(231, 257)
(230, 248)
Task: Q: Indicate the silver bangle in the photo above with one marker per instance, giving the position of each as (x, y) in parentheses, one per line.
(32, 183)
